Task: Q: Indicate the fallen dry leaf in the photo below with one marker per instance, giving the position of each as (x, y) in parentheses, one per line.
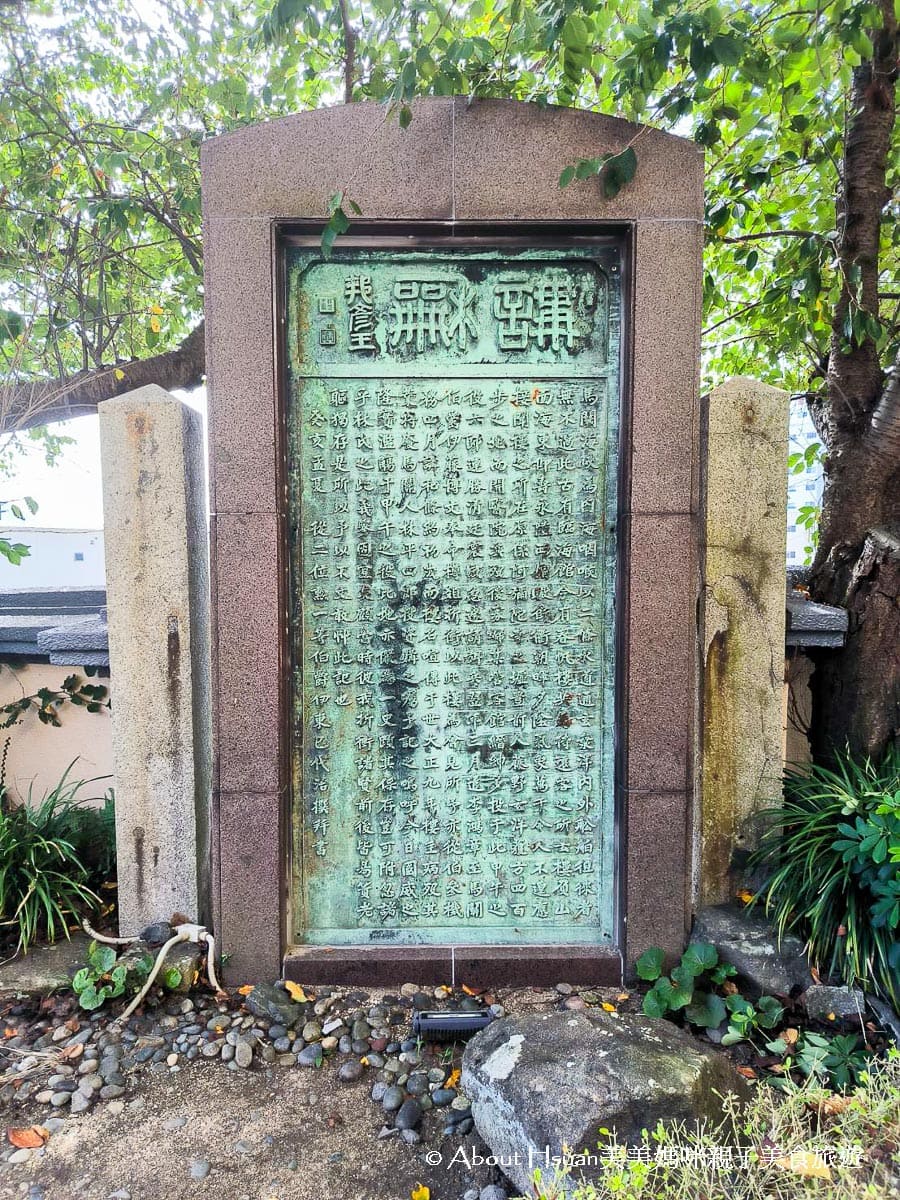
(830, 1106)
(744, 896)
(622, 997)
(245, 990)
(805, 1163)
(608, 1007)
(420, 1192)
(8, 1033)
(729, 988)
(452, 1079)
(789, 1036)
(747, 1072)
(31, 1138)
(472, 991)
(831, 1017)
(71, 1052)
(296, 992)
(443, 988)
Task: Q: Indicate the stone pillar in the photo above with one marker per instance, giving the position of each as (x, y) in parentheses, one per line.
(744, 623)
(157, 581)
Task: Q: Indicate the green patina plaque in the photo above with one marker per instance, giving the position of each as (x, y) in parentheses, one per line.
(452, 429)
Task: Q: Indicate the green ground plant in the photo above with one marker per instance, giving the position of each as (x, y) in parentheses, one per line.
(103, 978)
(691, 991)
(45, 879)
(700, 992)
(832, 851)
(792, 1144)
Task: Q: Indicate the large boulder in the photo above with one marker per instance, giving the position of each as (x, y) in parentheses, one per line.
(747, 941)
(543, 1081)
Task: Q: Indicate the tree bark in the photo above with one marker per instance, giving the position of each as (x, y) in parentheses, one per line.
(856, 693)
(38, 402)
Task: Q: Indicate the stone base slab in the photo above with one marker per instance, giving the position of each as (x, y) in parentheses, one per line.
(475, 966)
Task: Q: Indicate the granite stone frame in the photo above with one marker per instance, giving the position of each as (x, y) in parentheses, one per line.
(490, 163)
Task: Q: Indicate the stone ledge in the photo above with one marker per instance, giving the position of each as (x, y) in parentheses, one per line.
(478, 966)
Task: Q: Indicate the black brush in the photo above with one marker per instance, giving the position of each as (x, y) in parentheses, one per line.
(449, 1026)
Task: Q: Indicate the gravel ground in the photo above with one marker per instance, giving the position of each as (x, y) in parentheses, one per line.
(256, 1094)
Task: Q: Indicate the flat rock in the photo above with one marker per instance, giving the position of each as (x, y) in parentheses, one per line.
(552, 1079)
(45, 968)
(747, 941)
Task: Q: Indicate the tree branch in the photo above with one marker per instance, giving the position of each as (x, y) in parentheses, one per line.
(773, 233)
(36, 402)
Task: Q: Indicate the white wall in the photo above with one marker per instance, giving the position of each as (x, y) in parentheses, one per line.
(59, 558)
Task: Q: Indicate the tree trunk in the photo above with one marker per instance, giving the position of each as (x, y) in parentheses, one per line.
(856, 692)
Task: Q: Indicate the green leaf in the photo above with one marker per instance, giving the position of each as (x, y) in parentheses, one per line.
(707, 1010)
(101, 957)
(89, 998)
(566, 176)
(732, 1036)
(656, 1002)
(700, 957)
(172, 978)
(649, 965)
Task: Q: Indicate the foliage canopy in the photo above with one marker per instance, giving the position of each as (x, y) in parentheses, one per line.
(104, 108)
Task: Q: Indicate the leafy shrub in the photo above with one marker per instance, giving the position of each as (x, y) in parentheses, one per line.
(93, 834)
(691, 989)
(103, 977)
(833, 849)
(44, 883)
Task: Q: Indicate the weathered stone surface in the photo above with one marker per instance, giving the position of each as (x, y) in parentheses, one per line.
(552, 1079)
(834, 1005)
(157, 594)
(269, 1001)
(44, 968)
(744, 619)
(185, 958)
(748, 942)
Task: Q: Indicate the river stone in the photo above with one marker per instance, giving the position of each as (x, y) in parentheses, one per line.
(310, 1056)
(747, 941)
(552, 1079)
(409, 1115)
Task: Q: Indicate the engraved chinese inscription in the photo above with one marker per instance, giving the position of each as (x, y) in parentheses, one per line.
(452, 446)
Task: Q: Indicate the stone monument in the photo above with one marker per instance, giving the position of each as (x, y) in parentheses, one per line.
(454, 469)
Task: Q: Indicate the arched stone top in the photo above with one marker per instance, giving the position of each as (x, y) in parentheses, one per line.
(457, 160)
